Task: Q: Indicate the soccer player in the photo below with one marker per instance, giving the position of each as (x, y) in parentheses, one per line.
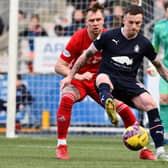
(160, 38)
(123, 50)
(83, 83)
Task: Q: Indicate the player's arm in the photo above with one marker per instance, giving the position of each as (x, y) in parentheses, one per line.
(161, 68)
(78, 64)
(62, 67)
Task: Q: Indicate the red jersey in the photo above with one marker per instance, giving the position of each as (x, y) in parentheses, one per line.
(79, 42)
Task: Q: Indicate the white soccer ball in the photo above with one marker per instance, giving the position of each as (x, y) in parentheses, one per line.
(135, 137)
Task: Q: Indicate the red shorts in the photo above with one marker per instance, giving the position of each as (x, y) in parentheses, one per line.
(87, 88)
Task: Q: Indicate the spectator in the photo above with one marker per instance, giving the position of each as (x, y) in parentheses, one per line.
(78, 22)
(1, 26)
(21, 15)
(135, 2)
(34, 29)
(159, 8)
(23, 98)
(79, 4)
(21, 19)
(59, 30)
(113, 19)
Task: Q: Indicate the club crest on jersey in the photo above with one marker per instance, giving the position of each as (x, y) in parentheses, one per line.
(66, 53)
(136, 48)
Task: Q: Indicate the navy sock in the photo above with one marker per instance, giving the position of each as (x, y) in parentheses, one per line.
(104, 92)
(156, 128)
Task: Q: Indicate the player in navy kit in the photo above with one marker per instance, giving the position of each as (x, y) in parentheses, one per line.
(123, 51)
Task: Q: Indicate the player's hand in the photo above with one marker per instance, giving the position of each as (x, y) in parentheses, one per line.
(85, 76)
(64, 82)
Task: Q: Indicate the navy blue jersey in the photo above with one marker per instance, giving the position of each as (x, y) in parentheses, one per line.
(120, 56)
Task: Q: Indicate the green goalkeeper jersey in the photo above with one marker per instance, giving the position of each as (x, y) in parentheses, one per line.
(160, 38)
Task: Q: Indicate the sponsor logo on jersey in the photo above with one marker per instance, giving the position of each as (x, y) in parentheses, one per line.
(123, 60)
(66, 53)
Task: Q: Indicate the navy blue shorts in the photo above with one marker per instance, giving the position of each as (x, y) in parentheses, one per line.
(126, 88)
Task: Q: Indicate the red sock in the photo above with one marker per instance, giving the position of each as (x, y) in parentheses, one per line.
(126, 114)
(64, 114)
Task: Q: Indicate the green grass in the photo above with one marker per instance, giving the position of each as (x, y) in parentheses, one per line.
(85, 152)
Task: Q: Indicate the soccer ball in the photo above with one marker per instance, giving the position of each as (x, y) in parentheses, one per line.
(135, 137)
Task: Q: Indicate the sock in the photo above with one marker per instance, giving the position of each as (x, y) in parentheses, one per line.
(64, 114)
(104, 92)
(126, 114)
(155, 127)
(160, 150)
(61, 142)
(164, 116)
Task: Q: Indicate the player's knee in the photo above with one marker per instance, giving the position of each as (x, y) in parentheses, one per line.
(103, 78)
(68, 97)
(146, 105)
(150, 106)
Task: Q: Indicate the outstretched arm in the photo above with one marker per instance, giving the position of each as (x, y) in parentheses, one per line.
(78, 64)
(62, 68)
(161, 68)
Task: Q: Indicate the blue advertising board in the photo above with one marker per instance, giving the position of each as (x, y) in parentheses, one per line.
(46, 92)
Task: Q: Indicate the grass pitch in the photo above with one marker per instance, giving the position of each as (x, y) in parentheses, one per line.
(85, 152)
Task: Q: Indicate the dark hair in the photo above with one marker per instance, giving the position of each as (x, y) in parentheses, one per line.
(21, 12)
(35, 16)
(165, 5)
(134, 10)
(94, 7)
(19, 77)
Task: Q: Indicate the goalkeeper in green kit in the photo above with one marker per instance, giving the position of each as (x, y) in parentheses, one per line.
(160, 38)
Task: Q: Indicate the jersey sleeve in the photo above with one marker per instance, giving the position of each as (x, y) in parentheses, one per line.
(150, 51)
(98, 43)
(156, 38)
(69, 53)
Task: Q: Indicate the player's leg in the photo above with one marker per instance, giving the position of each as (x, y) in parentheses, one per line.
(164, 107)
(123, 95)
(122, 109)
(105, 88)
(130, 119)
(146, 103)
(69, 96)
(125, 113)
(63, 122)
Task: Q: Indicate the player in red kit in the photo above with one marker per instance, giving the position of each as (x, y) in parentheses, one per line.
(83, 83)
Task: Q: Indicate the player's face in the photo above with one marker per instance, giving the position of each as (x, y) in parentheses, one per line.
(94, 22)
(132, 24)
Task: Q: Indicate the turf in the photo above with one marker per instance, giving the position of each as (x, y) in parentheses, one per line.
(85, 152)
